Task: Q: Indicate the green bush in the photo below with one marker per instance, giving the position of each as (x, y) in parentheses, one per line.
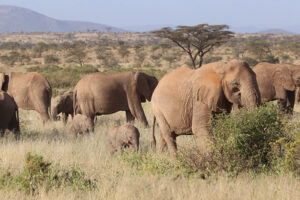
(286, 152)
(39, 173)
(210, 59)
(241, 141)
(251, 61)
(63, 77)
(243, 138)
(51, 59)
(150, 71)
(148, 163)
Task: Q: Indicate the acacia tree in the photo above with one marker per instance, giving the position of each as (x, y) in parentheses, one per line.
(197, 40)
(77, 55)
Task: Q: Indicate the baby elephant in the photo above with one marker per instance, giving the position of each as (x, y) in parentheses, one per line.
(81, 124)
(125, 136)
(62, 104)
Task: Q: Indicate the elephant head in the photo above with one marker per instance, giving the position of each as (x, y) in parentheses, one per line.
(144, 85)
(239, 84)
(283, 77)
(295, 71)
(131, 138)
(61, 102)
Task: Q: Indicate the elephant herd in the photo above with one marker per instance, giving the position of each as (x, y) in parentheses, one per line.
(183, 101)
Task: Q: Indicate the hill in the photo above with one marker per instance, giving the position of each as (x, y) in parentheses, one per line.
(16, 19)
(275, 31)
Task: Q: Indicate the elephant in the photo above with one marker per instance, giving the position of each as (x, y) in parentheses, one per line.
(31, 91)
(185, 99)
(125, 136)
(297, 95)
(99, 94)
(81, 124)
(9, 115)
(62, 104)
(278, 82)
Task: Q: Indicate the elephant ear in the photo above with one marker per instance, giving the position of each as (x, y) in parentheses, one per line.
(209, 92)
(283, 77)
(143, 86)
(68, 97)
(134, 97)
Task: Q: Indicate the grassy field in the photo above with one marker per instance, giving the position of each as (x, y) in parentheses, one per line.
(82, 168)
(117, 177)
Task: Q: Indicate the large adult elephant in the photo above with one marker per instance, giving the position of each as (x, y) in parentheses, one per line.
(295, 70)
(99, 94)
(185, 99)
(31, 91)
(9, 115)
(278, 82)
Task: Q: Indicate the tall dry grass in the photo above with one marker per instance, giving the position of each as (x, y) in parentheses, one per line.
(115, 179)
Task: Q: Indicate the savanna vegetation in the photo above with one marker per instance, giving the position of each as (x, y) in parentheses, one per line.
(255, 154)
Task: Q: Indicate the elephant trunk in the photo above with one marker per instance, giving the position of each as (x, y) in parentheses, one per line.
(250, 95)
(54, 113)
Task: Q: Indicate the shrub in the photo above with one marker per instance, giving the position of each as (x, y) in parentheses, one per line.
(286, 152)
(150, 71)
(241, 142)
(144, 163)
(243, 138)
(271, 59)
(51, 59)
(39, 173)
(212, 59)
(63, 77)
(251, 61)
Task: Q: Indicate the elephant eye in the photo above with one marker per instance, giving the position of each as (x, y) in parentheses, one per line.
(235, 84)
(235, 90)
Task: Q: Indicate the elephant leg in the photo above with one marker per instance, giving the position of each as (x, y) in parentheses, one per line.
(290, 101)
(166, 134)
(162, 144)
(283, 103)
(15, 128)
(129, 117)
(281, 96)
(45, 117)
(200, 125)
(64, 117)
(171, 143)
(2, 131)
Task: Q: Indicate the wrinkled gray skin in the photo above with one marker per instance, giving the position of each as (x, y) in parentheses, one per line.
(278, 82)
(125, 136)
(101, 94)
(9, 115)
(62, 104)
(81, 124)
(31, 91)
(185, 99)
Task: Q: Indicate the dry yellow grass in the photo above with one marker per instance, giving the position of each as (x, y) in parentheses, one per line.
(118, 181)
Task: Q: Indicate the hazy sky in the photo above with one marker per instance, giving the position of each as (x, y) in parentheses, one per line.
(126, 13)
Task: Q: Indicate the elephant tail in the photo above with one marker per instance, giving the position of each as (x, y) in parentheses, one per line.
(17, 130)
(49, 91)
(75, 103)
(153, 143)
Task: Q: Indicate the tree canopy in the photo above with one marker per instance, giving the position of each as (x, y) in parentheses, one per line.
(197, 40)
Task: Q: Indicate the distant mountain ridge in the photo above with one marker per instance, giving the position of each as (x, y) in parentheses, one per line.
(242, 30)
(17, 19)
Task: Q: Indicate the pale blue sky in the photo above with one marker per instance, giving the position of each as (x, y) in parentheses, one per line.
(126, 13)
